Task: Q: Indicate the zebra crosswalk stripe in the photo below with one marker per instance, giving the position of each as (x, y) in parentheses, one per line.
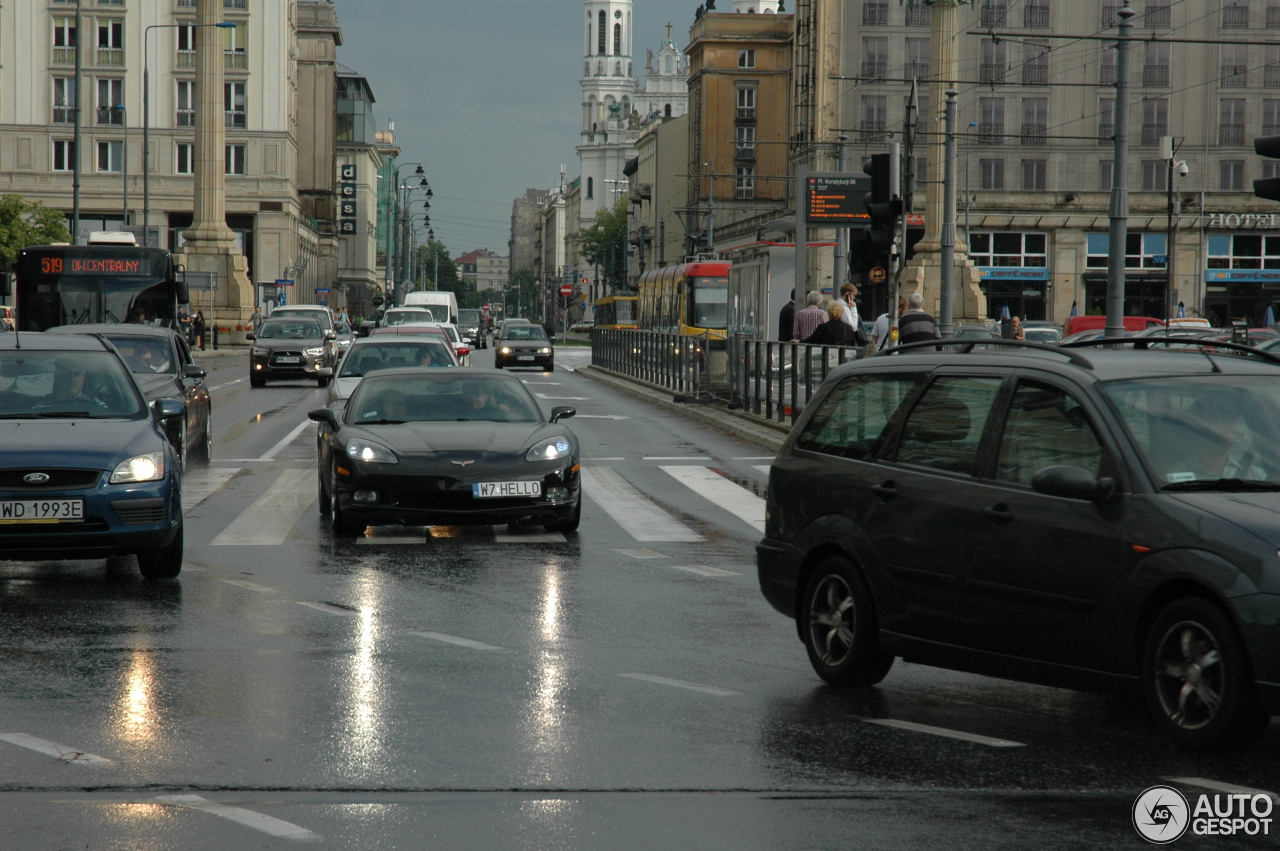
(711, 485)
(632, 510)
(199, 485)
(271, 518)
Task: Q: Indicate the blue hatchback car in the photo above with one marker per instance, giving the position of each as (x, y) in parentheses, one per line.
(85, 468)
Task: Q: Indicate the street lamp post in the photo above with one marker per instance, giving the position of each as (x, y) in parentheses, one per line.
(395, 247)
(124, 163)
(968, 153)
(146, 115)
(1169, 148)
(406, 192)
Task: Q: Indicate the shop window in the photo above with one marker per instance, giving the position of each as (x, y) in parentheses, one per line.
(999, 248)
(1244, 251)
(1141, 250)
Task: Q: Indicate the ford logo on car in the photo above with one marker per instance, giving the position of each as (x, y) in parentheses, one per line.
(36, 478)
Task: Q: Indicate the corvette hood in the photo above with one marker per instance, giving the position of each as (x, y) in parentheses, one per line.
(482, 439)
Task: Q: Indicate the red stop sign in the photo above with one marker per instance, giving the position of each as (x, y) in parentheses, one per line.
(566, 290)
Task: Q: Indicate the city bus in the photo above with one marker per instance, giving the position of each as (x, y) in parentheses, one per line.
(615, 311)
(105, 281)
(691, 298)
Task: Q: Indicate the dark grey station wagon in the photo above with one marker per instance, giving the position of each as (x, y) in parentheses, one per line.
(1098, 518)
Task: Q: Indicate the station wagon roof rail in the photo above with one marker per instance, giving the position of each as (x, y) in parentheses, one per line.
(967, 345)
(1145, 343)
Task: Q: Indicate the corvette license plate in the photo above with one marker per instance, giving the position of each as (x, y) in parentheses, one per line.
(524, 357)
(490, 490)
(41, 511)
(288, 360)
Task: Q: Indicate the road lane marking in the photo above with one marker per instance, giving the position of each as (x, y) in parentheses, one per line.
(642, 553)
(329, 608)
(249, 586)
(289, 438)
(563, 398)
(543, 383)
(706, 571)
(1218, 786)
(732, 498)
(257, 821)
(268, 522)
(632, 510)
(390, 539)
(600, 417)
(676, 458)
(663, 681)
(452, 639)
(530, 537)
(756, 458)
(226, 384)
(945, 733)
(600, 460)
(55, 750)
(199, 485)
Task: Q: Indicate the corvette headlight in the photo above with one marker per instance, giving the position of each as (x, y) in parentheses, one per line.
(505, 350)
(550, 449)
(367, 450)
(315, 353)
(544, 351)
(140, 468)
(261, 352)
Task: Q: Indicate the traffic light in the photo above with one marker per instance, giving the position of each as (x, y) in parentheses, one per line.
(1268, 187)
(883, 208)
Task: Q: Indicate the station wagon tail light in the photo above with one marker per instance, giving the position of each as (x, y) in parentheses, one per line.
(550, 449)
(140, 468)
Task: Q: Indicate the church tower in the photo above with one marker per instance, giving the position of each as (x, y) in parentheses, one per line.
(609, 126)
(762, 7)
(666, 83)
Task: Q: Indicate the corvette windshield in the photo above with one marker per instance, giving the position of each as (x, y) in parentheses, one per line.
(440, 397)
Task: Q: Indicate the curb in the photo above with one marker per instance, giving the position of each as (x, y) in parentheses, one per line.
(757, 431)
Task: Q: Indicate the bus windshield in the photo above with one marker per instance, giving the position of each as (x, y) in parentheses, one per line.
(710, 302)
(624, 310)
(78, 285)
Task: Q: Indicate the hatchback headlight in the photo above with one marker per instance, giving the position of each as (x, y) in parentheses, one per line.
(367, 450)
(140, 468)
(505, 350)
(315, 353)
(544, 351)
(261, 352)
(550, 449)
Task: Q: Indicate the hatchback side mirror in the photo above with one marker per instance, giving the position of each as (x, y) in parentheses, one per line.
(331, 335)
(562, 412)
(167, 409)
(1072, 482)
(193, 371)
(251, 336)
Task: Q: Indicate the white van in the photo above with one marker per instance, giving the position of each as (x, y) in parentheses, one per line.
(434, 298)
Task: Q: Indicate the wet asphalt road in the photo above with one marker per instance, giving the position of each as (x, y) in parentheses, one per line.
(625, 687)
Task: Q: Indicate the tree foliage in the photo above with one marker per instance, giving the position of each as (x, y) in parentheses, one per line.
(520, 292)
(24, 223)
(604, 244)
(434, 259)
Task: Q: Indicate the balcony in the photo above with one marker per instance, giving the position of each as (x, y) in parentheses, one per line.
(746, 113)
(917, 70)
(186, 4)
(1035, 16)
(1155, 75)
(744, 153)
(1231, 134)
(991, 73)
(871, 129)
(995, 16)
(186, 59)
(64, 55)
(875, 14)
(874, 70)
(112, 57)
(64, 115)
(1235, 17)
(1273, 17)
(919, 16)
(1107, 76)
(1233, 76)
(1109, 17)
(1034, 134)
(185, 118)
(1271, 76)
(236, 120)
(1157, 17)
(235, 60)
(237, 5)
(991, 132)
(1105, 132)
(1035, 74)
(108, 115)
(1151, 133)
(1270, 130)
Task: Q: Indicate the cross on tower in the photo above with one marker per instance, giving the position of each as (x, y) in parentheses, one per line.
(669, 25)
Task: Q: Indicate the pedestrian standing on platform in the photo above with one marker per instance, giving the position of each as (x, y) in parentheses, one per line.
(808, 320)
(849, 295)
(916, 326)
(197, 330)
(786, 318)
(835, 332)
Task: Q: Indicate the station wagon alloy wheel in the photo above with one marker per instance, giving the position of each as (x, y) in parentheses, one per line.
(1189, 675)
(839, 628)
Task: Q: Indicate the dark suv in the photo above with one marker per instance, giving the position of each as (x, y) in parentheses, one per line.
(1099, 519)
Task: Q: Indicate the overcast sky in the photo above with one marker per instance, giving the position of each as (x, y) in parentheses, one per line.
(485, 94)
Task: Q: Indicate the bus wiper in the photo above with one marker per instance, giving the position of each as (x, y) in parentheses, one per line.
(1228, 485)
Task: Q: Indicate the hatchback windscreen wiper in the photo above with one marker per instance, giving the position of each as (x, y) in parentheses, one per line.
(1229, 485)
(49, 415)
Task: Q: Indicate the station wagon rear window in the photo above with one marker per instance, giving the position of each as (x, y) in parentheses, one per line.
(851, 420)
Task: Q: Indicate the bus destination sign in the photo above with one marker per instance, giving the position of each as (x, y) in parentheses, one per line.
(78, 261)
(835, 199)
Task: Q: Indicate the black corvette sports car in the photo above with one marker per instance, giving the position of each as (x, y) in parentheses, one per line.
(462, 446)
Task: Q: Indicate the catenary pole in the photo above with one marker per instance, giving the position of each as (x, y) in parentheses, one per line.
(1119, 210)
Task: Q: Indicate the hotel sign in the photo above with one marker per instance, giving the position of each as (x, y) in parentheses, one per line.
(1234, 221)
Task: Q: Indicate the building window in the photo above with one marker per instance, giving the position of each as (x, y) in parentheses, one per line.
(1235, 14)
(1270, 121)
(1231, 121)
(1154, 174)
(64, 100)
(875, 109)
(917, 58)
(64, 155)
(617, 39)
(1106, 175)
(992, 174)
(922, 175)
(1035, 15)
(1035, 120)
(185, 159)
(744, 183)
(994, 61)
(745, 142)
(235, 47)
(591, 182)
(1232, 173)
(1109, 17)
(1140, 250)
(186, 116)
(875, 57)
(746, 59)
(1035, 64)
(747, 103)
(995, 14)
(1157, 15)
(874, 14)
(1244, 251)
(1155, 120)
(1270, 169)
(1035, 174)
(1107, 70)
(919, 16)
(1155, 71)
(1235, 65)
(1273, 15)
(110, 157)
(1271, 73)
(110, 42)
(666, 111)
(233, 98)
(110, 99)
(991, 119)
(234, 157)
(1106, 120)
(1009, 249)
(64, 41)
(602, 30)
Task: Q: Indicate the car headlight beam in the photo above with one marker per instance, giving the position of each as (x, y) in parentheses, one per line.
(260, 352)
(140, 468)
(551, 449)
(370, 452)
(315, 353)
(505, 350)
